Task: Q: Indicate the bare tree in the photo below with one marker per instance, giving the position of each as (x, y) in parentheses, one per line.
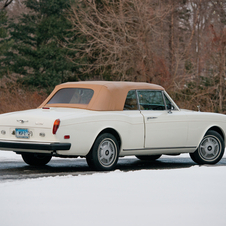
(218, 30)
(123, 35)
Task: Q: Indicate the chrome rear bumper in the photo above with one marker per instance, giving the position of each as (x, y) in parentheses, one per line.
(20, 145)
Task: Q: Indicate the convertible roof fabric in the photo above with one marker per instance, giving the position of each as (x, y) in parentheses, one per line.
(108, 96)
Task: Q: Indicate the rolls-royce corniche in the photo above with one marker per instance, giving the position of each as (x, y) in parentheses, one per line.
(102, 121)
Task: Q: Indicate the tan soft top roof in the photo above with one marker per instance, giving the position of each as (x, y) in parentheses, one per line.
(108, 96)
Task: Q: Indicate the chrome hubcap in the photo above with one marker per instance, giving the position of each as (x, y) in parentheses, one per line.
(107, 152)
(210, 148)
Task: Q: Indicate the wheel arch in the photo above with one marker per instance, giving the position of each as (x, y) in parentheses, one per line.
(111, 131)
(206, 158)
(215, 128)
(218, 130)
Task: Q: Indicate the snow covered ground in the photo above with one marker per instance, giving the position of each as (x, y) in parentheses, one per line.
(190, 196)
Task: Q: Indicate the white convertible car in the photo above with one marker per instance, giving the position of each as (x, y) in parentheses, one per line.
(103, 121)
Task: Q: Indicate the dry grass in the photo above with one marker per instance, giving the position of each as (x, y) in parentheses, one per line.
(15, 98)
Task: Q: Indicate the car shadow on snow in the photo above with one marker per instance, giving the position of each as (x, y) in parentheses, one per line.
(16, 170)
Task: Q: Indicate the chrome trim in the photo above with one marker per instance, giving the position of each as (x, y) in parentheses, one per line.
(28, 145)
(161, 148)
(21, 120)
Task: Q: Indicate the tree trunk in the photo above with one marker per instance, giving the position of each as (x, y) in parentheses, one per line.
(221, 74)
(171, 43)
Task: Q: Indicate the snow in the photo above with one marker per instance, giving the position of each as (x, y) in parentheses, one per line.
(188, 196)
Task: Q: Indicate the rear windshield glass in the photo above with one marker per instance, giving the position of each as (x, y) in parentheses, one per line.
(72, 96)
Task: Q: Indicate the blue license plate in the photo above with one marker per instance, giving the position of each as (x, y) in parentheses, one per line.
(22, 133)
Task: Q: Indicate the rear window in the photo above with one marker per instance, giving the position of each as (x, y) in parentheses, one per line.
(72, 96)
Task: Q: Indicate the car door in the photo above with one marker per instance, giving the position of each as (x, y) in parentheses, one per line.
(164, 128)
(134, 130)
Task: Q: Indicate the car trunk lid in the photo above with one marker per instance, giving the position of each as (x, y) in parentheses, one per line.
(33, 125)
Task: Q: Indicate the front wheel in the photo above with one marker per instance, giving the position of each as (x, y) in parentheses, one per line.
(36, 159)
(104, 153)
(210, 150)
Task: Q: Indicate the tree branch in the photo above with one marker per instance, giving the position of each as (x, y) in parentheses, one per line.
(6, 4)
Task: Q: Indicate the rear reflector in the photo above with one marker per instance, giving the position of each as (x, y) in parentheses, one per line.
(46, 108)
(67, 137)
(56, 125)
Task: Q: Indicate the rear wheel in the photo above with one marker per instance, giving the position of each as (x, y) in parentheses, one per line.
(210, 150)
(148, 157)
(104, 153)
(36, 159)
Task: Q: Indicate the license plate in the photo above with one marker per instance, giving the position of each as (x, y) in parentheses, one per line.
(22, 133)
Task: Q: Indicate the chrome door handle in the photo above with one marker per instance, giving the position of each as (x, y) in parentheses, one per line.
(151, 118)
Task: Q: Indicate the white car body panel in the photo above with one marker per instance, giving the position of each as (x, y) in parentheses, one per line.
(165, 129)
(83, 126)
(201, 122)
(84, 131)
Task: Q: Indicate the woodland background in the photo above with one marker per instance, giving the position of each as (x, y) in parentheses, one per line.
(179, 44)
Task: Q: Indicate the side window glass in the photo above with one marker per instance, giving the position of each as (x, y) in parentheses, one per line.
(151, 100)
(169, 105)
(131, 101)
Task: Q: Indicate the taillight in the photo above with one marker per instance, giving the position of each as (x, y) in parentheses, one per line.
(56, 125)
